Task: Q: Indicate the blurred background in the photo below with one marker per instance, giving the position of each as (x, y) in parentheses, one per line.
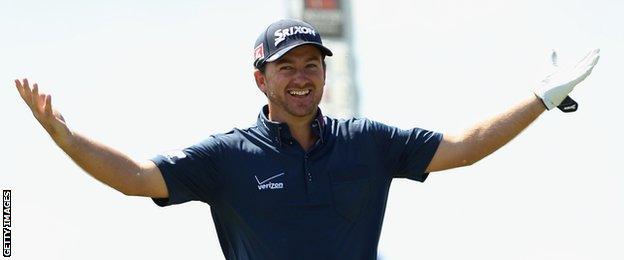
(151, 76)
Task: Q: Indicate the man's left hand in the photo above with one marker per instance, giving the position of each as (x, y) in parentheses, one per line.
(556, 86)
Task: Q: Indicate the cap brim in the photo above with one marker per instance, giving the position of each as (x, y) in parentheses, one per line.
(283, 51)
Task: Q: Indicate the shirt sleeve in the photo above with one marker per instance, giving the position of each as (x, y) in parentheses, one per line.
(407, 153)
(189, 174)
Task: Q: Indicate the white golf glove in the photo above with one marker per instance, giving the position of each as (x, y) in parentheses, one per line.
(554, 89)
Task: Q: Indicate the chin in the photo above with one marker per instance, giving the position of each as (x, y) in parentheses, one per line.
(302, 111)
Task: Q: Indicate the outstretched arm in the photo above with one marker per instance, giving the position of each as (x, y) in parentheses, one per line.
(486, 137)
(104, 163)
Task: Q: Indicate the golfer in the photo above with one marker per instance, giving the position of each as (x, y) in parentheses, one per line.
(299, 184)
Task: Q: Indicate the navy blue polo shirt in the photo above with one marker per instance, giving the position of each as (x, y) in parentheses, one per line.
(270, 199)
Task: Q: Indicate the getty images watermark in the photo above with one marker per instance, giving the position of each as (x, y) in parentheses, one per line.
(6, 223)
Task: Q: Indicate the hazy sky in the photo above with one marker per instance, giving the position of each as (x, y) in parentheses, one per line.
(151, 76)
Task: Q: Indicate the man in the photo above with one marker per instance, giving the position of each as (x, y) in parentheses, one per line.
(299, 185)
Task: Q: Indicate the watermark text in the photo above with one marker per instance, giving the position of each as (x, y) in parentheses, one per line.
(6, 223)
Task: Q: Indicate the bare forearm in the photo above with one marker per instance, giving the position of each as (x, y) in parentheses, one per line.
(488, 136)
(104, 163)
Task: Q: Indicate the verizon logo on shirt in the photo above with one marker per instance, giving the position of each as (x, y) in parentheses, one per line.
(268, 184)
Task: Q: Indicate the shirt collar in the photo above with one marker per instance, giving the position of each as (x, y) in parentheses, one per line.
(280, 133)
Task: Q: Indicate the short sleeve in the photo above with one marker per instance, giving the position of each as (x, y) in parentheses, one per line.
(189, 174)
(407, 153)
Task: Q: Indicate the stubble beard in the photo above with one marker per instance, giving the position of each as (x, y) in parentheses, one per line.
(291, 108)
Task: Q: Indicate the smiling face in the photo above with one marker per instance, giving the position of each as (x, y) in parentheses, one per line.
(293, 84)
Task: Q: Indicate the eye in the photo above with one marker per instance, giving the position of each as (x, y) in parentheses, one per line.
(286, 68)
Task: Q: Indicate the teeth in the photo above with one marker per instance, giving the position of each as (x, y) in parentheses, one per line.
(299, 92)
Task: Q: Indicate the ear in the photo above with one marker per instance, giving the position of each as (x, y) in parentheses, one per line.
(324, 68)
(260, 80)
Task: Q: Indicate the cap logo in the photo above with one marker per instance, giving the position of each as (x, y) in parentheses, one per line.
(281, 34)
(259, 52)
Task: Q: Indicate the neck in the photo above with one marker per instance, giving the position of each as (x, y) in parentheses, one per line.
(300, 127)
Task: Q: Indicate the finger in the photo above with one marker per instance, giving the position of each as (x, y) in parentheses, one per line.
(48, 105)
(553, 58)
(591, 62)
(596, 58)
(27, 92)
(589, 54)
(58, 115)
(35, 96)
(588, 69)
(588, 57)
(595, 54)
(18, 85)
(583, 62)
(41, 101)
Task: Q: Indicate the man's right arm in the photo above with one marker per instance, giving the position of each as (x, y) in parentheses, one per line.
(104, 163)
(114, 168)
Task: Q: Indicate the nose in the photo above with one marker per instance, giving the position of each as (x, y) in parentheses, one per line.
(300, 78)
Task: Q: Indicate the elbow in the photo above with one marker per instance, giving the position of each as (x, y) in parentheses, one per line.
(138, 184)
(128, 191)
(470, 151)
(470, 161)
(132, 186)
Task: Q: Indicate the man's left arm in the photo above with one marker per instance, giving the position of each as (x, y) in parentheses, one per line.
(486, 137)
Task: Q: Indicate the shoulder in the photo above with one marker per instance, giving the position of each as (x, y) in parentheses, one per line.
(237, 140)
(223, 140)
(352, 127)
(355, 123)
(369, 128)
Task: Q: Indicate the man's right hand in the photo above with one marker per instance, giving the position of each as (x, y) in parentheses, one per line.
(41, 106)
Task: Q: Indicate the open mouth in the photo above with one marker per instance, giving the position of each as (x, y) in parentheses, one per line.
(299, 92)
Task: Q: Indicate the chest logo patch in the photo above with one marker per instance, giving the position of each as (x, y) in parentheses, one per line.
(268, 184)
